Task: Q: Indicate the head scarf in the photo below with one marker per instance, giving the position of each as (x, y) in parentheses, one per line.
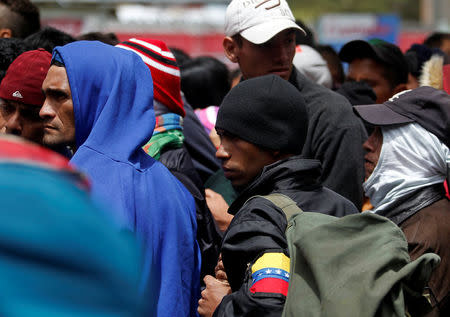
(411, 158)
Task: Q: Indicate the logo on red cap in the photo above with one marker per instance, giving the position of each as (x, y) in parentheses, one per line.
(17, 94)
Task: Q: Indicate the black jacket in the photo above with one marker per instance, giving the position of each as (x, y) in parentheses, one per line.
(259, 226)
(335, 138)
(179, 163)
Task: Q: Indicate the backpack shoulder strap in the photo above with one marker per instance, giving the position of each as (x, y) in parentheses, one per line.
(283, 202)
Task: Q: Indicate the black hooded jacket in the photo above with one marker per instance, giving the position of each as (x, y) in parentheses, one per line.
(259, 226)
(335, 138)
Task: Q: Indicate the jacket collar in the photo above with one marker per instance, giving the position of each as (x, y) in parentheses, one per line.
(414, 203)
(288, 174)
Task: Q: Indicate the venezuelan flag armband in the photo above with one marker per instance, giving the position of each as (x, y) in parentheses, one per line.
(270, 274)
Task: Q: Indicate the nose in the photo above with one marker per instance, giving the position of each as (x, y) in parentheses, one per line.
(283, 53)
(222, 154)
(366, 146)
(369, 145)
(14, 124)
(47, 111)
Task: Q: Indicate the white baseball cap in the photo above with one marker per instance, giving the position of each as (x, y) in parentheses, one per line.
(259, 20)
(310, 63)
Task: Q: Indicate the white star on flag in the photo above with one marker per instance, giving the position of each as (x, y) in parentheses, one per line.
(278, 271)
(268, 271)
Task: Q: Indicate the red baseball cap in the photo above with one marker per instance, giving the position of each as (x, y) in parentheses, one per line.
(24, 78)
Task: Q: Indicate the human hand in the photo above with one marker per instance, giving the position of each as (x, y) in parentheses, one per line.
(212, 295)
(219, 270)
(219, 209)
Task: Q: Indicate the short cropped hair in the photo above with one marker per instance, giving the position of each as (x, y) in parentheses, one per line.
(204, 81)
(48, 38)
(107, 38)
(20, 16)
(10, 49)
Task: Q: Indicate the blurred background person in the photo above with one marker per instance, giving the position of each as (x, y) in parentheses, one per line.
(311, 64)
(21, 96)
(205, 82)
(18, 18)
(48, 38)
(107, 38)
(380, 64)
(60, 257)
(440, 40)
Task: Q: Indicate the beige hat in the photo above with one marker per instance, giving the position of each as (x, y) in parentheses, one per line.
(258, 20)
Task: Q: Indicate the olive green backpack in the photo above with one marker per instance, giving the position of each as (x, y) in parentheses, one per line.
(357, 265)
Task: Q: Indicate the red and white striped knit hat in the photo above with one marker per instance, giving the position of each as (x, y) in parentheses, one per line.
(164, 68)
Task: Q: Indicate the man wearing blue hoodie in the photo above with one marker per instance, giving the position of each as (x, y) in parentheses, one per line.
(99, 101)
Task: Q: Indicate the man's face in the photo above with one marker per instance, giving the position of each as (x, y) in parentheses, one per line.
(373, 149)
(242, 161)
(22, 120)
(272, 57)
(57, 111)
(370, 71)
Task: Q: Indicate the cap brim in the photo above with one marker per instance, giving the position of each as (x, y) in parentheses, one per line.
(380, 115)
(356, 49)
(262, 33)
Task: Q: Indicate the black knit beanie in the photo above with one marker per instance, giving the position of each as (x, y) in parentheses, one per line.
(266, 111)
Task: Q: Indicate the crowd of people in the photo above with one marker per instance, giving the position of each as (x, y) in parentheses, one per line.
(142, 181)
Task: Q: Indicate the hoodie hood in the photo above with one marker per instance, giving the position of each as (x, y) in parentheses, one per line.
(109, 84)
(112, 94)
(293, 173)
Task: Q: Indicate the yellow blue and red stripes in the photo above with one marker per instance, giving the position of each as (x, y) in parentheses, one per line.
(270, 274)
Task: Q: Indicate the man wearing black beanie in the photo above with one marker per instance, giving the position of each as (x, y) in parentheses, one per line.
(262, 124)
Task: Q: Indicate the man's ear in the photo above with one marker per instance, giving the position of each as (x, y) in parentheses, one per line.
(5, 33)
(231, 49)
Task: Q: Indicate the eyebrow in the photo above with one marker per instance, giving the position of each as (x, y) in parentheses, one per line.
(54, 92)
(19, 105)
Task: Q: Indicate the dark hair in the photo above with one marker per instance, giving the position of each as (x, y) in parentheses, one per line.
(204, 81)
(434, 40)
(238, 39)
(107, 38)
(180, 55)
(417, 55)
(10, 49)
(21, 17)
(396, 75)
(54, 62)
(334, 64)
(48, 38)
(396, 67)
(301, 38)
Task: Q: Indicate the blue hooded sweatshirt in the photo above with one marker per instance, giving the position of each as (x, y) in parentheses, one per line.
(112, 94)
